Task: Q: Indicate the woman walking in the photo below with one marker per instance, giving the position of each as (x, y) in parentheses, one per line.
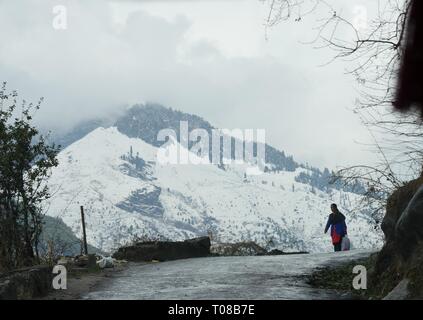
(338, 227)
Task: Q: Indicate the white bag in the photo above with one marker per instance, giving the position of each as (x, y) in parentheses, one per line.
(106, 262)
(346, 244)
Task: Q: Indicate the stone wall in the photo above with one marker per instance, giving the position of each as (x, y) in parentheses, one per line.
(165, 250)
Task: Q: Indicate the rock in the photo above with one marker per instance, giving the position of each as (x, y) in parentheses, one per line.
(409, 229)
(66, 261)
(275, 252)
(202, 243)
(165, 250)
(81, 261)
(402, 255)
(396, 205)
(86, 261)
(400, 292)
(238, 249)
(7, 290)
(26, 283)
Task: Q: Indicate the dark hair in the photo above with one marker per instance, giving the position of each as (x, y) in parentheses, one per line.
(333, 205)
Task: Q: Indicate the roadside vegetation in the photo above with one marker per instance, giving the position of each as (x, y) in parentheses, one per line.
(26, 158)
(341, 278)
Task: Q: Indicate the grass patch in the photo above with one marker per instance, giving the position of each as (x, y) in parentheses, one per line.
(340, 278)
(415, 275)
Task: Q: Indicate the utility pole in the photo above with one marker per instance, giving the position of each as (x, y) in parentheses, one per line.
(83, 230)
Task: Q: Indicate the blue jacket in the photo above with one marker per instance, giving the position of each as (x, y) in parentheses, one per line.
(338, 227)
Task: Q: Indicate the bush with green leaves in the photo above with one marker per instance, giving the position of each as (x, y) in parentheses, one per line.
(26, 160)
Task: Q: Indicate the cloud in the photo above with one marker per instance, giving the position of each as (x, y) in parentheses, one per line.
(95, 67)
(170, 1)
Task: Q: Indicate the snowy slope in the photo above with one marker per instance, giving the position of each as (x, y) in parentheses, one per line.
(127, 194)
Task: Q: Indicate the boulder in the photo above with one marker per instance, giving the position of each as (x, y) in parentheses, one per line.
(26, 283)
(85, 261)
(275, 252)
(401, 257)
(66, 261)
(410, 225)
(396, 204)
(165, 250)
(400, 292)
(409, 228)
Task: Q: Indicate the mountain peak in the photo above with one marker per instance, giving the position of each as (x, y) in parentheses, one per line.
(127, 193)
(145, 121)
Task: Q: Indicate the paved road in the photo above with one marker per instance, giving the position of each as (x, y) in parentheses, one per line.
(265, 277)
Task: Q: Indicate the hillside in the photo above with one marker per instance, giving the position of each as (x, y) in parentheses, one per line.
(127, 193)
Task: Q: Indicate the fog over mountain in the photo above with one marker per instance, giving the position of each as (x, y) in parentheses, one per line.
(236, 74)
(115, 172)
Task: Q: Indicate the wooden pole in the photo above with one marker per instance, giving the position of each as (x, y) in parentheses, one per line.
(83, 230)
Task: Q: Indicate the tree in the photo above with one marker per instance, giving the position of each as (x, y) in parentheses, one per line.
(374, 55)
(25, 162)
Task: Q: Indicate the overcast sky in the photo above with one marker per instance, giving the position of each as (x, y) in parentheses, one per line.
(211, 58)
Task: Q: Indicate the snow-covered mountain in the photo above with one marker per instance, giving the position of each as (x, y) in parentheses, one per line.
(126, 192)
